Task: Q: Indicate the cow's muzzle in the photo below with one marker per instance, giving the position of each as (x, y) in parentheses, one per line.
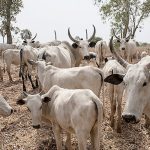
(86, 58)
(123, 48)
(36, 127)
(129, 118)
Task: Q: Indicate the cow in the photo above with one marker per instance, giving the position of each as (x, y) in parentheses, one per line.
(73, 78)
(136, 81)
(115, 92)
(11, 56)
(4, 46)
(26, 53)
(5, 108)
(69, 110)
(128, 47)
(101, 49)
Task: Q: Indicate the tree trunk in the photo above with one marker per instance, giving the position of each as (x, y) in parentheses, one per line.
(127, 18)
(8, 22)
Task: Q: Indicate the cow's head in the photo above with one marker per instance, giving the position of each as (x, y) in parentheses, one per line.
(34, 105)
(5, 109)
(82, 45)
(31, 42)
(122, 41)
(137, 83)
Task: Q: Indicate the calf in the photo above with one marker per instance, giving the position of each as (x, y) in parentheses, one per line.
(73, 78)
(76, 111)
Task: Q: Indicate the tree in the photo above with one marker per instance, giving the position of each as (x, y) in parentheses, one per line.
(26, 34)
(125, 15)
(8, 10)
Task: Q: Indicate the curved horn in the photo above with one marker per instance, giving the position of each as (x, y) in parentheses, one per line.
(71, 38)
(119, 59)
(90, 39)
(34, 36)
(115, 34)
(86, 34)
(55, 35)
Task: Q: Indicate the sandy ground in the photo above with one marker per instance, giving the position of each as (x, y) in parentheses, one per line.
(17, 132)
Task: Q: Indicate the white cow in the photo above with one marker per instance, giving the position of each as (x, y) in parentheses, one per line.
(128, 47)
(27, 53)
(6, 46)
(11, 56)
(137, 86)
(77, 111)
(101, 49)
(115, 92)
(5, 109)
(72, 78)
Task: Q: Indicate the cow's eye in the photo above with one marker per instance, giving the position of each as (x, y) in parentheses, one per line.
(144, 84)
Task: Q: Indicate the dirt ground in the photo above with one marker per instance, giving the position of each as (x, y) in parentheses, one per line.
(17, 132)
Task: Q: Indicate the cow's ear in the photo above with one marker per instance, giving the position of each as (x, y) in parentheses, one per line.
(46, 99)
(21, 102)
(92, 44)
(74, 45)
(114, 79)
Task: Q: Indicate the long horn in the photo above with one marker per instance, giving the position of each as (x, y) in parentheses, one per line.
(86, 34)
(34, 36)
(90, 39)
(55, 35)
(119, 59)
(71, 38)
(115, 34)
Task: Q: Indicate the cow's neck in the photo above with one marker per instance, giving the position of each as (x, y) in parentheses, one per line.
(77, 57)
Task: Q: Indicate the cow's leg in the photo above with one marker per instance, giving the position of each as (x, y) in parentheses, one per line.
(68, 141)
(30, 78)
(82, 136)
(1, 74)
(57, 134)
(8, 72)
(147, 122)
(94, 137)
(113, 105)
(119, 94)
(23, 82)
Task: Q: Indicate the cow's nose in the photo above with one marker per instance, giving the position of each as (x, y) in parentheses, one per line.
(36, 126)
(123, 48)
(87, 57)
(129, 118)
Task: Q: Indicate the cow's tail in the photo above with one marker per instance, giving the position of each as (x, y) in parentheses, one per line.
(21, 63)
(3, 60)
(100, 117)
